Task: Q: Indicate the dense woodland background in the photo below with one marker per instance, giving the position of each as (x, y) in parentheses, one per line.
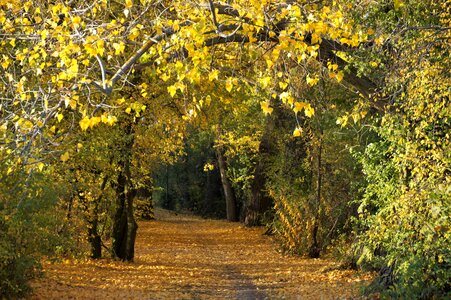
(328, 122)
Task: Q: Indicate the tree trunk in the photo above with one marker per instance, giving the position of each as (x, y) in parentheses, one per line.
(229, 194)
(124, 225)
(94, 239)
(92, 218)
(260, 202)
(314, 250)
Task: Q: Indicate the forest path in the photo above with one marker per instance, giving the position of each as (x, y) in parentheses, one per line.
(186, 257)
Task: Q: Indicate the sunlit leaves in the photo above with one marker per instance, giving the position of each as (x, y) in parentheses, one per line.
(84, 123)
(308, 109)
(229, 85)
(297, 132)
(65, 157)
(312, 80)
(267, 110)
(119, 48)
(88, 122)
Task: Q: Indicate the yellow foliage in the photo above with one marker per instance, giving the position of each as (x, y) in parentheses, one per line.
(267, 110)
(297, 132)
(65, 157)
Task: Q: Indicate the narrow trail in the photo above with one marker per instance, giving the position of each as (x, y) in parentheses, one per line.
(186, 257)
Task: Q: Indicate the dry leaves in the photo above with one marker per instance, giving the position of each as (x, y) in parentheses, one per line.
(185, 257)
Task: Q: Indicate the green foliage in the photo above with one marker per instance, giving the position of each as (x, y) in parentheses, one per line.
(31, 224)
(406, 229)
(293, 174)
(406, 206)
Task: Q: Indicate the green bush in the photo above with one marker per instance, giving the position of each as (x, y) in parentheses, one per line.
(15, 268)
(31, 226)
(405, 229)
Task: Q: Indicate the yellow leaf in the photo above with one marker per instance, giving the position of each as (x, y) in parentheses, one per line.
(265, 81)
(398, 4)
(84, 123)
(270, 63)
(267, 110)
(208, 167)
(119, 48)
(65, 157)
(309, 111)
(172, 90)
(128, 3)
(94, 121)
(283, 85)
(298, 106)
(40, 166)
(286, 98)
(59, 117)
(73, 104)
(297, 132)
(339, 76)
(342, 121)
(112, 120)
(73, 69)
(27, 124)
(316, 39)
(312, 81)
(229, 85)
(213, 75)
(76, 21)
(120, 101)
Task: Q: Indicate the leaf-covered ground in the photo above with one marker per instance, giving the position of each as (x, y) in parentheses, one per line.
(186, 257)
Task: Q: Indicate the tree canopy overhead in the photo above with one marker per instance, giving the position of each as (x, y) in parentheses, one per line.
(72, 60)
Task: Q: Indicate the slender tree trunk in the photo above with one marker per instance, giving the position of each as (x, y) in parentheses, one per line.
(208, 195)
(314, 250)
(229, 194)
(94, 239)
(92, 218)
(260, 202)
(124, 225)
(132, 228)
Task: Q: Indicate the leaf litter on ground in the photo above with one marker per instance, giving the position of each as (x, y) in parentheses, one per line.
(181, 256)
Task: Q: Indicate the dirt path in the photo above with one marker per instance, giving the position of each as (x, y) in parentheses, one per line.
(185, 257)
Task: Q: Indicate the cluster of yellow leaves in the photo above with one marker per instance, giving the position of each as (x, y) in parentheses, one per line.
(88, 122)
(308, 109)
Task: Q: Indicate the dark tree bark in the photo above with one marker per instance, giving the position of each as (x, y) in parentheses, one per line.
(260, 202)
(92, 218)
(124, 225)
(229, 194)
(94, 239)
(314, 250)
